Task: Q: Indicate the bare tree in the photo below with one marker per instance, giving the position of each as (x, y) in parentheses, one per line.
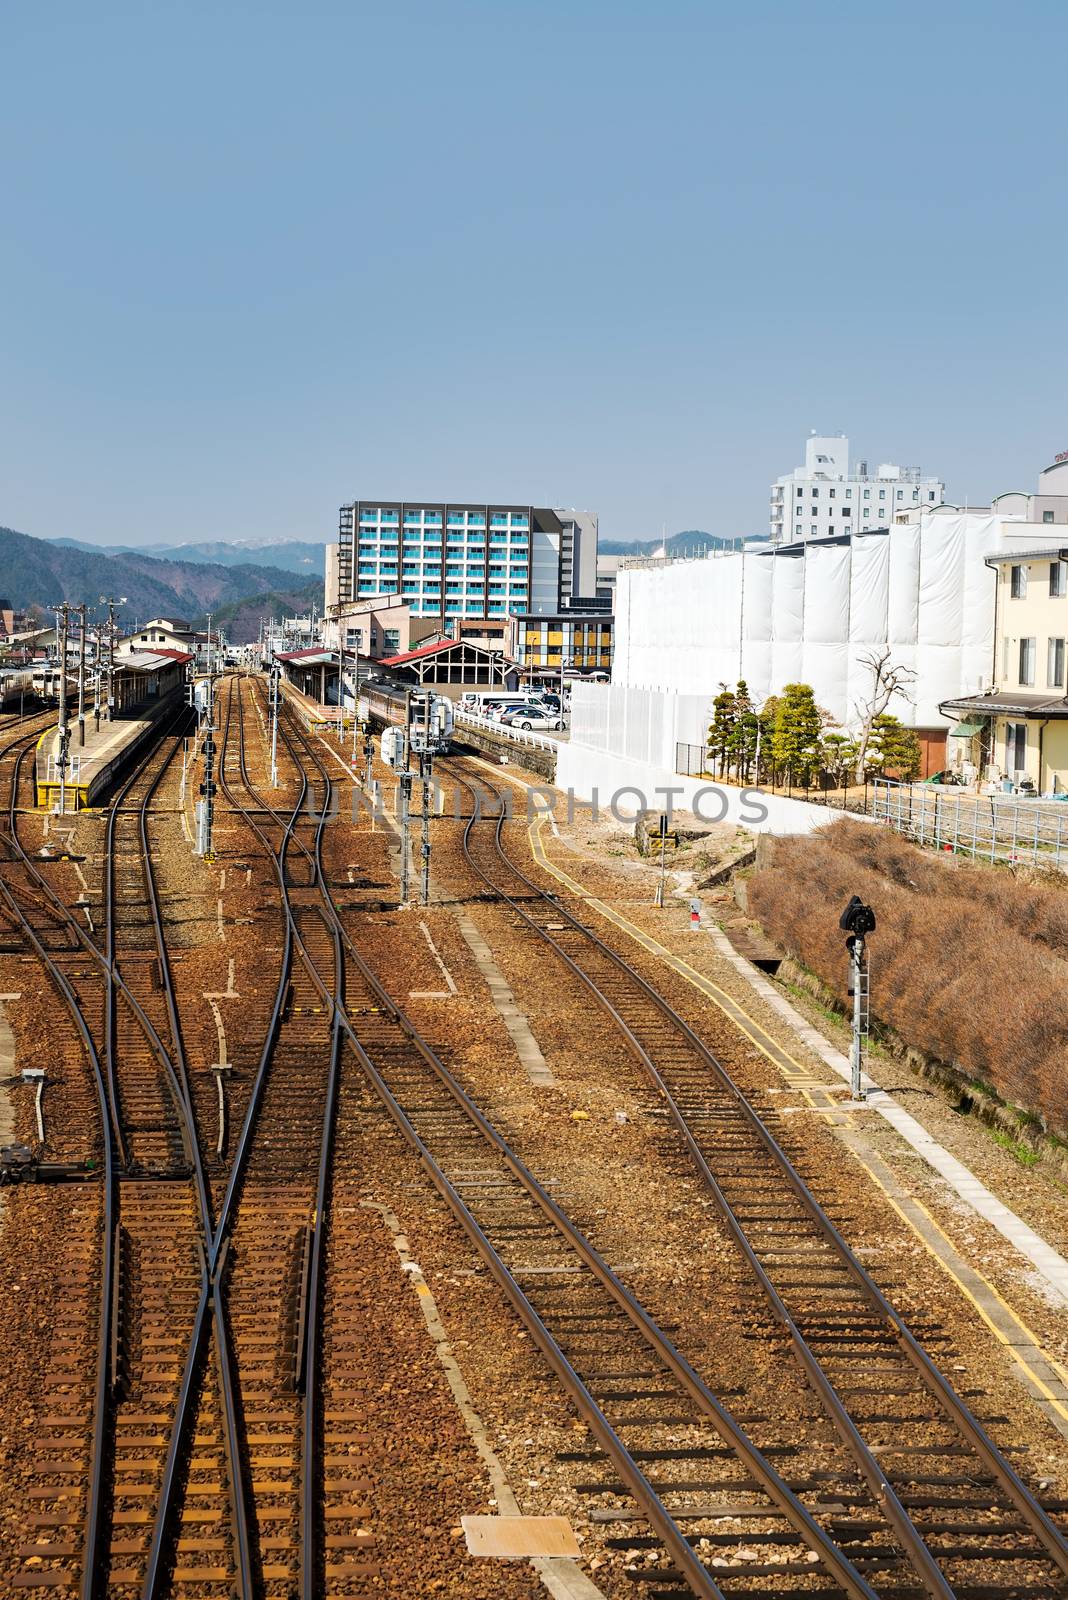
(887, 680)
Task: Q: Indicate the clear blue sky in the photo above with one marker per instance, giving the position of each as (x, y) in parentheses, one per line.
(258, 258)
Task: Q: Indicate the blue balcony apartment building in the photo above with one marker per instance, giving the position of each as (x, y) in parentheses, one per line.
(452, 561)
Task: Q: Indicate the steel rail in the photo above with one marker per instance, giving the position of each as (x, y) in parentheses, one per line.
(911, 1540)
(936, 1384)
(93, 1522)
(308, 1386)
(179, 1091)
(659, 1516)
(178, 1082)
(211, 1304)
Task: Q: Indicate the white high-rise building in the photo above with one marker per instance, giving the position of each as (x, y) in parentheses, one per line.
(824, 498)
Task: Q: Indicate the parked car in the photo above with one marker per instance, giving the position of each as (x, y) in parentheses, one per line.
(533, 717)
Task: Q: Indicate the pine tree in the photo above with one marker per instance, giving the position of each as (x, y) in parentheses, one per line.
(741, 745)
(892, 749)
(838, 757)
(796, 735)
(723, 720)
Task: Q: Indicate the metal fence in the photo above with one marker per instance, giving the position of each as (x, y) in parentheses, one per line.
(506, 731)
(996, 827)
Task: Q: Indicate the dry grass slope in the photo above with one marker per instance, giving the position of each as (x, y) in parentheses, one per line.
(968, 963)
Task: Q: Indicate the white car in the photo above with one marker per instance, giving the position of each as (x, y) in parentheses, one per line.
(536, 718)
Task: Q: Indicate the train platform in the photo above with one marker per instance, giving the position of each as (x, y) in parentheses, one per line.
(95, 766)
(315, 716)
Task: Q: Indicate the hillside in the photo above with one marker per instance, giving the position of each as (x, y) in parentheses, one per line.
(240, 619)
(290, 555)
(40, 572)
(692, 542)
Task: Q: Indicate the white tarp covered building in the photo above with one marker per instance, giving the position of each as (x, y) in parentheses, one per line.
(810, 613)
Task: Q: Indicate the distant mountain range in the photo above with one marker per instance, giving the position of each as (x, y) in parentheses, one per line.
(692, 542)
(291, 555)
(39, 572)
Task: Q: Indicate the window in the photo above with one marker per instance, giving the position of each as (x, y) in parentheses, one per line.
(1047, 516)
(930, 494)
(814, 529)
(1027, 663)
(882, 494)
(915, 494)
(1058, 578)
(831, 493)
(800, 492)
(1015, 746)
(867, 494)
(846, 511)
(900, 494)
(391, 640)
(797, 529)
(1018, 583)
(815, 494)
(849, 494)
(1055, 664)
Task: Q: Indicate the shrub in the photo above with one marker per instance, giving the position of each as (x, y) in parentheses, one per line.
(968, 963)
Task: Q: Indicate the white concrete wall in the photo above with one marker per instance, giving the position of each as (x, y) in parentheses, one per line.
(625, 787)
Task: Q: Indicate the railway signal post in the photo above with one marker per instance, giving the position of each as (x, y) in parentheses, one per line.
(857, 920)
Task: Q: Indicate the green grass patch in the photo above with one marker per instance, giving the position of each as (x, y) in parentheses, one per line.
(1019, 1151)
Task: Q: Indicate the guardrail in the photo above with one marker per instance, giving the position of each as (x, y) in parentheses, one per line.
(519, 735)
(988, 827)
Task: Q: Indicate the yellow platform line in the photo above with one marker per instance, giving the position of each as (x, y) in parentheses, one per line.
(793, 1070)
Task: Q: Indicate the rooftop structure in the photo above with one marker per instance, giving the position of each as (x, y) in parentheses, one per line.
(824, 497)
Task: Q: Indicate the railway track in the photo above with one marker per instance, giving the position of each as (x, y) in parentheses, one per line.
(960, 1517)
(653, 1420)
(146, 1274)
(204, 1432)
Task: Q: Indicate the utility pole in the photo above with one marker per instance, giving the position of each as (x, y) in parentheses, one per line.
(355, 694)
(63, 623)
(207, 788)
(81, 675)
(96, 681)
(426, 768)
(405, 785)
(111, 602)
(276, 673)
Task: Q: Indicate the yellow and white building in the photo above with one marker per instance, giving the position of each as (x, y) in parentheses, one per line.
(1017, 731)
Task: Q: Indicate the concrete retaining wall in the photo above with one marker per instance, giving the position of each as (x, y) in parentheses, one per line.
(531, 758)
(637, 786)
